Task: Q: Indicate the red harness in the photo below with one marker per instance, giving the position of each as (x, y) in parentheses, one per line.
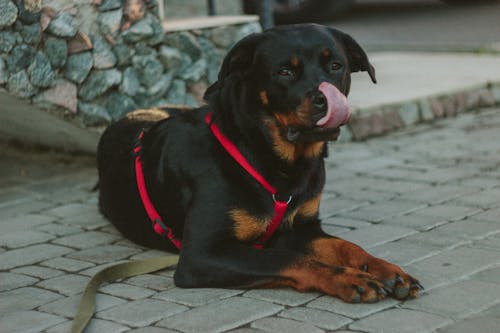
(159, 226)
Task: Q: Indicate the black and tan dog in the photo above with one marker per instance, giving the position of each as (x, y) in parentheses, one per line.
(280, 96)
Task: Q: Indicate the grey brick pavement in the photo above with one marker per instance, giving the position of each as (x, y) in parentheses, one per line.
(427, 199)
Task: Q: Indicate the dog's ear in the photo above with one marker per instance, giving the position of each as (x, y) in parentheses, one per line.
(238, 61)
(358, 60)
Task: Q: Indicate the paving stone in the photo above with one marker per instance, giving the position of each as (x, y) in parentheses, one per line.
(30, 255)
(23, 238)
(68, 284)
(459, 300)
(439, 194)
(24, 222)
(196, 297)
(483, 325)
(87, 239)
(28, 321)
(13, 281)
(456, 233)
(449, 212)
(334, 230)
(58, 229)
(383, 209)
(94, 326)
(288, 297)
(376, 235)
(319, 318)
(452, 265)
(220, 316)
(415, 221)
(489, 243)
(68, 306)
(493, 312)
(104, 254)
(37, 271)
(127, 291)
(25, 299)
(337, 205)
(141, 312)
(490, 275)
(355, 311)
(274, 324)
(90, 221)
(66, 264)
(484, 199)
(490, 215)
(151, 330)
(401, 321)
(151, 281)
(345, 222)
(403, 253)
(69, 210)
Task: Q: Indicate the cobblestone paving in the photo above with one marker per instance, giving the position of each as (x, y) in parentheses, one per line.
(427, 199)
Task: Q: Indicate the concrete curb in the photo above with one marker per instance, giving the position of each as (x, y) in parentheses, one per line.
(385, 118)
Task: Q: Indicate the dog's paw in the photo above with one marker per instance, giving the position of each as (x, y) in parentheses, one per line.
(397, 283)
(355, 286)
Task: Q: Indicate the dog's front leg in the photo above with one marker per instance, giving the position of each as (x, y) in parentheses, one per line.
(238, 265)
(334, 251)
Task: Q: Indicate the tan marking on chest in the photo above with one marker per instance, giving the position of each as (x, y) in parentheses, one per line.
(308, 209)
(264, 98)
(147, 115)
(247, 227)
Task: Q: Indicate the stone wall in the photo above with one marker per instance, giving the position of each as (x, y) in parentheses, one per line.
(92, 61)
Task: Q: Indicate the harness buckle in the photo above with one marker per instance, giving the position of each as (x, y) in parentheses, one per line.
(161, 224)
(287, 202)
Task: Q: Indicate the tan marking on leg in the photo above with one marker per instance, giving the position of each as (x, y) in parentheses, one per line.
(247, 227)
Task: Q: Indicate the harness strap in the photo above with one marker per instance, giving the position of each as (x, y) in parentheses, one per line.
(280, 207)
(158, 226)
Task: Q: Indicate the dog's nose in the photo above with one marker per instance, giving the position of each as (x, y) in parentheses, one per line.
(319, 102)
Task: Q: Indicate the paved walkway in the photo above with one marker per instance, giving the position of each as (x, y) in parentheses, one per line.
(427, 199)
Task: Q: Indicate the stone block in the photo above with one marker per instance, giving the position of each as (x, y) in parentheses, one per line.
(28, 321)
(78, 66)
(322, 319)
(482, 324)
(273, 324)
(63, 94)
(99, 82)
(196, 297)
(12, 281)
(401, 321)
(452, 265)
(66, 264)
(355, 311)
(9, 13)
(288, 297)
(142, 312)
(127, 291)
(459, 300)
(104, 254)
(220, 316)
(63, 25)
(68, 306)
(68, 284)
(26, 298)
(56, 50)
(409, 113)
(18, 239)
(30, 255)
(80, 43)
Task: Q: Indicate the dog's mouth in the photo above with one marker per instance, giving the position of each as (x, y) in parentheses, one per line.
(329, 111)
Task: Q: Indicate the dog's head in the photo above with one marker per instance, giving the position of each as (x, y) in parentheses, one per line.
(291, 82)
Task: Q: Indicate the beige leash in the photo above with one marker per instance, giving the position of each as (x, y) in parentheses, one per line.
(87, 303)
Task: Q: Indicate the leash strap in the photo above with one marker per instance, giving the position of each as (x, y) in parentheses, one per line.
(86, 307)
(280, 207)
(158, 225)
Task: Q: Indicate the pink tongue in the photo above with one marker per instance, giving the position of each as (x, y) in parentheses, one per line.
(337, 112)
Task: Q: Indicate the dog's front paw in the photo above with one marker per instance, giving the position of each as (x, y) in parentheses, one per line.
(399, 284)
(355, 286)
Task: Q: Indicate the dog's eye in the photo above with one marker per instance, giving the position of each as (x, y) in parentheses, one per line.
(335, 66)
(287, 72)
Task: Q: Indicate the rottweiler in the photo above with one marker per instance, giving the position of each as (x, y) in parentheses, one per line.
(235, 185)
